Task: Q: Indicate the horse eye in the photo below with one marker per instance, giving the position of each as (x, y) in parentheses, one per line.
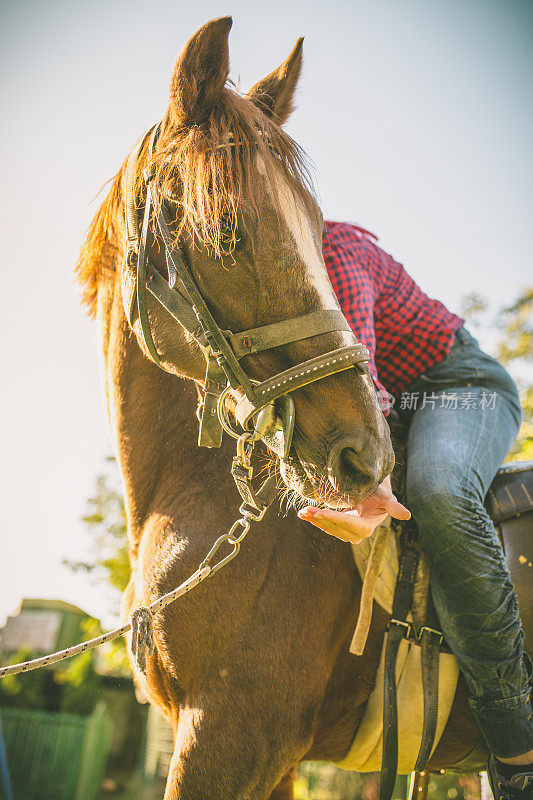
(228, 236)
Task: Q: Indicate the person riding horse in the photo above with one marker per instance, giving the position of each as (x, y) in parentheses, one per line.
(463, 412)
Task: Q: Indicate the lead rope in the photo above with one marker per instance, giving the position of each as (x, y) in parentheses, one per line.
(141, 620)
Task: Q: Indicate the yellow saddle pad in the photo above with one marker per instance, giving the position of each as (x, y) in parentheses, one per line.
(364, 754)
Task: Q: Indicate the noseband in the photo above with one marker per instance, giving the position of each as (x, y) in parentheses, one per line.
(265, 409)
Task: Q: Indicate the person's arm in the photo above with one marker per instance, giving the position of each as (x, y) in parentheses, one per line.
(360, 522)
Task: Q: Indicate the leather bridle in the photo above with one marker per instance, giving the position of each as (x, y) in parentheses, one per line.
(265, 409)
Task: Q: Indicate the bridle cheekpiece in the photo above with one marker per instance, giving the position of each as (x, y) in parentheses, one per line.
(265, 410)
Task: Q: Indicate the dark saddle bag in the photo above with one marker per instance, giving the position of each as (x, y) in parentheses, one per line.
(510, 505)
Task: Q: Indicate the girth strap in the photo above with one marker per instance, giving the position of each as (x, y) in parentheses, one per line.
(430, 639)
(399, 627)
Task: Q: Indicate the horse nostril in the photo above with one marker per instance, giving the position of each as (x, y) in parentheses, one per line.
(349, 469)
(348, 461)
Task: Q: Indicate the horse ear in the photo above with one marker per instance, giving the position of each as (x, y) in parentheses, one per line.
(274, 94)
(201, 72)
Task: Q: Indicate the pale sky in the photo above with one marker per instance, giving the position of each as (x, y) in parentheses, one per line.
(418, 118)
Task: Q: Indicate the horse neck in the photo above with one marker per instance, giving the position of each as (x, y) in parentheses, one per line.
(152, 416)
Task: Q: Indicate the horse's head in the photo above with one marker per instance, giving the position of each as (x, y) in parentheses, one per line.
(244, 217)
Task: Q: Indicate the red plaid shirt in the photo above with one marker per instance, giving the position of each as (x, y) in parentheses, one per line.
(405, 331)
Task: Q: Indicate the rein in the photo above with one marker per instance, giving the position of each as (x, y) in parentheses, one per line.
(141, 621)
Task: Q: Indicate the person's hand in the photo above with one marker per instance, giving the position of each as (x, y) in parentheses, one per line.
(357, 523)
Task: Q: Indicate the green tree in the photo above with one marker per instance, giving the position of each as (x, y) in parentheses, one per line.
(107, 527)
(27, 689)
(108, 563)
(71, 686)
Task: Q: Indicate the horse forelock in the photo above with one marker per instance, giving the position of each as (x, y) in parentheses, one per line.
(210, 171)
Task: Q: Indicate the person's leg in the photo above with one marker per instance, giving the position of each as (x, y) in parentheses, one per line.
(458, 437)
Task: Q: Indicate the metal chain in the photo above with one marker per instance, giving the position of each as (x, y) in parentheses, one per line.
(204, 571)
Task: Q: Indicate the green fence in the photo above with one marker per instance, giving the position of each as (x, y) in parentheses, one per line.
(56, 756)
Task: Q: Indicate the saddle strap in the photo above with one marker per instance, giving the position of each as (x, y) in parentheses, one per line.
(399, 628)
(430, 640)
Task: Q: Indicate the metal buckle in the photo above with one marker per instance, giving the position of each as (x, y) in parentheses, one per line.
(241, 471)
(249, 512)
(403, 624)
(222, 414)
(245, 446)
(439, 634)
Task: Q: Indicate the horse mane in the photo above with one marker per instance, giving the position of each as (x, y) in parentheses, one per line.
(101, 250)
(210, 171)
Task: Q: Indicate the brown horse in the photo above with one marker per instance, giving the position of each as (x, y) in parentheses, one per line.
(252, 668)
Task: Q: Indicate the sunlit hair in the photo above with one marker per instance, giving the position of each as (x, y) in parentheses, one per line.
(211, 172)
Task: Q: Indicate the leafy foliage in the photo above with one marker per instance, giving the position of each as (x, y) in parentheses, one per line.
(71, 688)
(109, 563)
(26, 690)
(107, 526)
(78, 676)
(516, 323)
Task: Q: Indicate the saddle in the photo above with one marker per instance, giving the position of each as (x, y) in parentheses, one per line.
(510, 505)
(415, 660)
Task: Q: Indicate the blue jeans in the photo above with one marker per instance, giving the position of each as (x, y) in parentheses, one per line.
(467, 416)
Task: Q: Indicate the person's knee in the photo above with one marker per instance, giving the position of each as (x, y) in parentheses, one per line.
(439, 497)
(452, 520)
